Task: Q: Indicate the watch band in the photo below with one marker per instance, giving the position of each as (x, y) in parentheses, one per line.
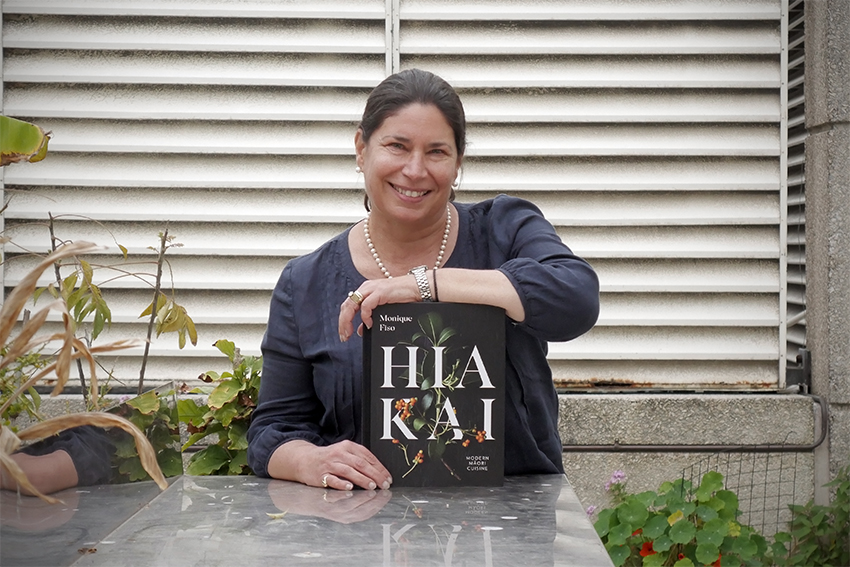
(420, 273)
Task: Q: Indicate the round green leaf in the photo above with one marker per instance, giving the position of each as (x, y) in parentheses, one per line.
(682, 532)
(711, 482)
(683, 563)
(709, 536)
(718, 525)
(662, 543)
(706, 513)
(633, 512)
(656, 526)
(655, 560)
(618, 554)
(603, 522)
(745, 547)
(646, 498)
(730, 504)
(707, 553)
(619, 534)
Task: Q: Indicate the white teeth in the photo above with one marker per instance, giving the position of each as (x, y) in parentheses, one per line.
(407, 193)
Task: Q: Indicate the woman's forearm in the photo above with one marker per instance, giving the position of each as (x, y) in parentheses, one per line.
(486, 287)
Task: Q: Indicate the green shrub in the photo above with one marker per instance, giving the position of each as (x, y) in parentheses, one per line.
(227, 414)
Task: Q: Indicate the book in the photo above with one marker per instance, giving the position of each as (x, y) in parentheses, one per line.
(434, 393)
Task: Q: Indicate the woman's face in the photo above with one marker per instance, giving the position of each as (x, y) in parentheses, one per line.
(409, 163)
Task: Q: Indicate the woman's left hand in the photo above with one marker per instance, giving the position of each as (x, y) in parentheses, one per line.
(401, 289)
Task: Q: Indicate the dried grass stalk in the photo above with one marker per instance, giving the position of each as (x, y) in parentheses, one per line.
(57, 424)
(72, 348)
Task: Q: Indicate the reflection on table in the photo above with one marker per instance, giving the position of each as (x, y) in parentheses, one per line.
(530, 521)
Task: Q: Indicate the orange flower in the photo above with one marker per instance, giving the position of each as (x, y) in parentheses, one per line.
(681, 556)
(717, 563)
(637, 531)
(646, 550)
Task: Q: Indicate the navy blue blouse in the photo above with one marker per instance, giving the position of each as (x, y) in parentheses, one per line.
(310, 387)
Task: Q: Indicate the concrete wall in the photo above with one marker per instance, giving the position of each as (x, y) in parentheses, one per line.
(828, 222)
(772, 480)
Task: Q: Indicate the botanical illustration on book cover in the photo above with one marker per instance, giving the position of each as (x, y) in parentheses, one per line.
(434, 393)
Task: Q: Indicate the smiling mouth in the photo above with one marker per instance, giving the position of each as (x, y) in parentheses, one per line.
(408, 192)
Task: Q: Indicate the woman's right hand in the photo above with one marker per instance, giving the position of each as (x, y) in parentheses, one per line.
(341, 466)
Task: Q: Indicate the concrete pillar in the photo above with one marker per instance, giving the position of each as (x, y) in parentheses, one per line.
(827, 89)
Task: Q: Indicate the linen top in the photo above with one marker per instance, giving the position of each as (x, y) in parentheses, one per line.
(311, 382)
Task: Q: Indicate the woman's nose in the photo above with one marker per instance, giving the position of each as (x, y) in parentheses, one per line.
(414, 167)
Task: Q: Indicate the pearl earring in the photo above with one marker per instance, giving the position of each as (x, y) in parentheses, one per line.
(357, 169)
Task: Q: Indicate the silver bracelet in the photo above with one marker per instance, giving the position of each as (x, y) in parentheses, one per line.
(420, 273)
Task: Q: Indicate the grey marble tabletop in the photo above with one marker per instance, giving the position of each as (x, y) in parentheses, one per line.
(233, 521)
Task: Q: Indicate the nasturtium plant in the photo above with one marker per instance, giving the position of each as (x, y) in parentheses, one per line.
(679, 525)
(227, 414)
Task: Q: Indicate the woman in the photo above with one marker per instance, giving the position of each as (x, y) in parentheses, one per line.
(415, 245)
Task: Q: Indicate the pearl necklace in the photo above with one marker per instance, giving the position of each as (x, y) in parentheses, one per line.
(439, 256)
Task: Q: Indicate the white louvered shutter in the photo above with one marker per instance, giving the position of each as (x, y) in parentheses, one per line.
(651, 133)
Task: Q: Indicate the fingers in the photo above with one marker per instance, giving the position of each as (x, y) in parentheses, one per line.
(349, 464)
(373, 294)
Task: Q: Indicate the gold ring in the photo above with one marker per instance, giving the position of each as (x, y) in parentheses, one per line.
(325, 481)
(356, 297)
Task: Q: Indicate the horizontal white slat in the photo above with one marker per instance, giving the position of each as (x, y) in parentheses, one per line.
(265, 239)
(324, 206)
(348, 9)
(205, 307)
(265, 36)
(688, 310)
(588, 11)
(195, 68)
(579, 38)
(654, 374)
(198, 205)
(248, 337)
(323, 138)
(630, 140)
(615, 105)
(703, 276)
(216, 102)
(672, 242)
(615, 275)
(670, 343)
(602, 71)
(489, 174)
(206, 239)
(189, 272)
(210, 102)
(201, 137)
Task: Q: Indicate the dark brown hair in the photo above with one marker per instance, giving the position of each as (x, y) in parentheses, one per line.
(413, 86)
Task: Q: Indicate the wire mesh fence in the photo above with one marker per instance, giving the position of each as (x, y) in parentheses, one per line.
(766, 484)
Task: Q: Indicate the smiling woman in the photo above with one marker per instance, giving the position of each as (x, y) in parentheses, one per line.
(500, 252)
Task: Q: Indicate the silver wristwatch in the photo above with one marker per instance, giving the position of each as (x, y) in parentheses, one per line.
(419, 272)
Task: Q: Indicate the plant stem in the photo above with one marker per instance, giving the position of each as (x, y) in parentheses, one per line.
(156, 291)
(83, 388)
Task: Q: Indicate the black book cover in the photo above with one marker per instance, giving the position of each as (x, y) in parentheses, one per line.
(434, 393)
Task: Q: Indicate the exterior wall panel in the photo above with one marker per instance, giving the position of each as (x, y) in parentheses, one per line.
(650, 133)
